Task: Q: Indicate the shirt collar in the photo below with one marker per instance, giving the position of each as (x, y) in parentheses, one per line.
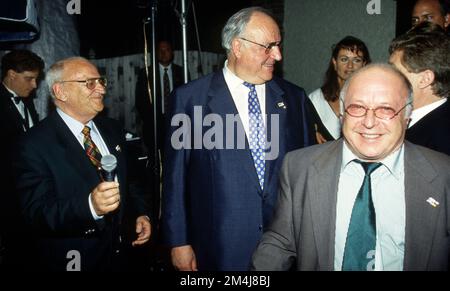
(74, 125)
(231, 79)
(421, 112)
(161, 67)
(393, 162)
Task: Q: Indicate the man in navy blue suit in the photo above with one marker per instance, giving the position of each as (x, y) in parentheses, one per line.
(76, 219)
(422, 55)
(227, 136)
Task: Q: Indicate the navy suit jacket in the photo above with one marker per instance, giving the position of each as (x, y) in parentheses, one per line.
(55, 178)
(211, 197)
(433, 130)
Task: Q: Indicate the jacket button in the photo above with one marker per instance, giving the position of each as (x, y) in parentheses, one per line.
(260, 227)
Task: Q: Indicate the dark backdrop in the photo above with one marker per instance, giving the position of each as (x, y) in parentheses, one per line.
(110, 29)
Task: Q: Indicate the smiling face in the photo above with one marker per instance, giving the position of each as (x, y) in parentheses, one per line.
(75, 98)
(346, 63)
(368, 137)
(249, 61)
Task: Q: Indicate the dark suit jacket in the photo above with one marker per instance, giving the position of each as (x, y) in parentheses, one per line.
(145, 109)
(55, 178)
(303, 228)
(11, 126)
(433, 130)
(211, 197)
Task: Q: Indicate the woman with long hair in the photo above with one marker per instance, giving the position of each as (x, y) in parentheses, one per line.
(348, 55)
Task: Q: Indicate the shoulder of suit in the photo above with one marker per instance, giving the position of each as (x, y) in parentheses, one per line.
(197, 84)
(288, 86)
(437, 160)
(309, 154)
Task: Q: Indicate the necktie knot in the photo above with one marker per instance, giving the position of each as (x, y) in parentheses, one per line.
(369, 167)
(86, 131)
(250, 86)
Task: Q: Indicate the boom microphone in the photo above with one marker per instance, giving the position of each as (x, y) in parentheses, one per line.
(109, 164)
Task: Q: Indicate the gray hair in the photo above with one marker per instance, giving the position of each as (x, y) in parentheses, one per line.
(237, 23)
(54, 73)
(386, 67)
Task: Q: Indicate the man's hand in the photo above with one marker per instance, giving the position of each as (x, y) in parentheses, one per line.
(143, 229)
(183, 258)
(105, 197)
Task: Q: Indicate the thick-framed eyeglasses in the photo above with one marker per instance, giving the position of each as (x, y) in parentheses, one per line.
(382, 112)
(90, 83)
(268, 47)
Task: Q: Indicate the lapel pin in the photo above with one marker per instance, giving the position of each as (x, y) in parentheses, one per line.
(281, 105)
(433, 202)
(118, 149)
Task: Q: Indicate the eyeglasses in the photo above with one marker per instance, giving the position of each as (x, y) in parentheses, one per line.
(90, 83)
(267, 47)
(383, 112)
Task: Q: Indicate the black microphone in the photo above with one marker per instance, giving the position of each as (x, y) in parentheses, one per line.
(109, 164)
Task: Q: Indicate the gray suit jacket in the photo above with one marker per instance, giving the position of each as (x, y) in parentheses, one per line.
(303, 229)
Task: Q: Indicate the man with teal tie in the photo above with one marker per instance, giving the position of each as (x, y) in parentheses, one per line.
(369, 201)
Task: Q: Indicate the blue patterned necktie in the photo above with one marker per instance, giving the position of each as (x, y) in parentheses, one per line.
(361, 236)
(257, 136)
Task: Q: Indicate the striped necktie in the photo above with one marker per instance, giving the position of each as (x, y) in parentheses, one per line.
(91, 149)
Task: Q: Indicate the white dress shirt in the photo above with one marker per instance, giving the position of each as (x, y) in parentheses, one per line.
(239, 92)
(388, 195)
(76, 128)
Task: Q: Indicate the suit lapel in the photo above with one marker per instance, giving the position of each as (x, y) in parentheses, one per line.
(274, 109)
(421, 217)
(74, 152)
(323, 203)
(221, 103)
(113, 143)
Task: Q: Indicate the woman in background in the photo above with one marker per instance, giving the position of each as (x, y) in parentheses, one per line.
(348, 55)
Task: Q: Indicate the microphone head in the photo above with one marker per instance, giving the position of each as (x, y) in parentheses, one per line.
(109, 163)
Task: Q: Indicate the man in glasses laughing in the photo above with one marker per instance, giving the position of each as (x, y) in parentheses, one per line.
(76, 217)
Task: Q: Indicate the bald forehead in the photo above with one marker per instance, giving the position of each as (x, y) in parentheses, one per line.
(74, 67)
(380, 75)
(259, 18)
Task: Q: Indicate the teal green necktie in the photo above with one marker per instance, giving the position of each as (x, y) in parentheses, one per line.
(361, 236)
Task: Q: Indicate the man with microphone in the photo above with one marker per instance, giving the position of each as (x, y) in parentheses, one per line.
(77, 218)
